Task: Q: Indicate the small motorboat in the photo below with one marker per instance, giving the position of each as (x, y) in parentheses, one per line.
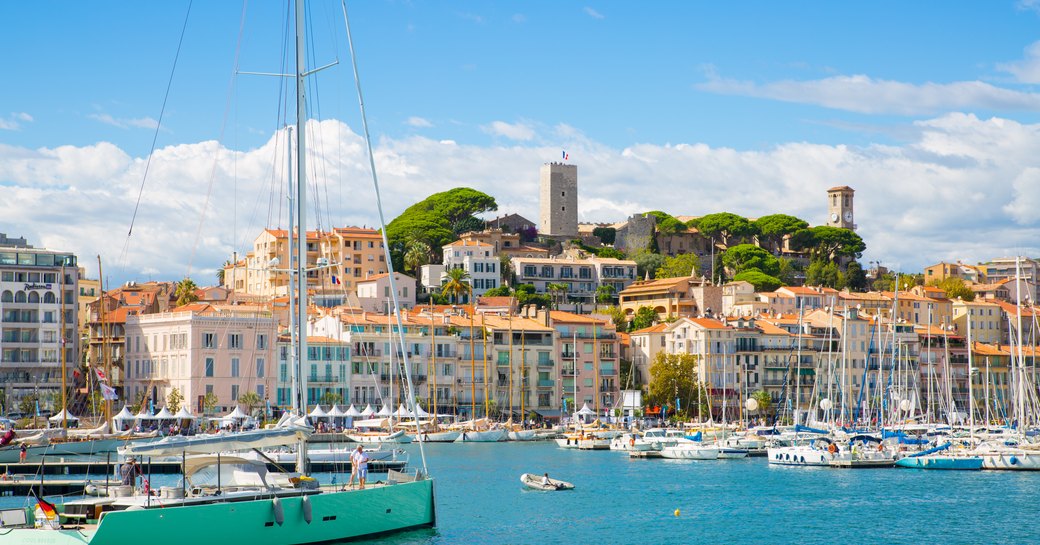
(537, 482)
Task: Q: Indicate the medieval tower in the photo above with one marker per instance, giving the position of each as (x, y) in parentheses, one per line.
(559, 201)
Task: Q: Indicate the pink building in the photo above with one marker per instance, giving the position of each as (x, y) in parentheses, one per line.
(199, 349)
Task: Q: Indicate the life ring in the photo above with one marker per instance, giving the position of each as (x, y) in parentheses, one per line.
(632, 441)
(831, 448)
(1013, 460)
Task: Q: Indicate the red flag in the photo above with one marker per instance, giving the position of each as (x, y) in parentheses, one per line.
(100, 374)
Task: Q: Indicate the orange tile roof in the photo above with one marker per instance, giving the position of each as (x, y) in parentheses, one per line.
(495, 301)
(472, 243)
(657, 328)
(571, 318)
(708, 323)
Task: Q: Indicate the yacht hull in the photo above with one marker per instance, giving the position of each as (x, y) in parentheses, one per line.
(334, 516)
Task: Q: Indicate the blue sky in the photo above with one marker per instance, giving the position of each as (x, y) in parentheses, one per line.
(928, 109)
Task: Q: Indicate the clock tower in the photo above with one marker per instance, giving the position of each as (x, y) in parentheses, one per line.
(839, 207)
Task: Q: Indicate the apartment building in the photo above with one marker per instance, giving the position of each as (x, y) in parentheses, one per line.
(326, 371)
(200, 349)
(339, 259)
(588, 350)
(39, 298)
(675, 297)
(581, 275)
(478, 259)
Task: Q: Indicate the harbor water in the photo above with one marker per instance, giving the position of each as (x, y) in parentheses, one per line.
(622, 500)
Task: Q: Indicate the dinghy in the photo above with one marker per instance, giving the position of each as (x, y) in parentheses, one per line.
(537, 482)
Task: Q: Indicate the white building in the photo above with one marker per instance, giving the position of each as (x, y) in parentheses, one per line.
(374, 292)
(34, 314)
(582, 276)
(476, 258)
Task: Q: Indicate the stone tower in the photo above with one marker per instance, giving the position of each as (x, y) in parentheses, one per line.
(559, 201)
(839, 207)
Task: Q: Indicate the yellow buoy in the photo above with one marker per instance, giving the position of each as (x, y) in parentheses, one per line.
(676, 512)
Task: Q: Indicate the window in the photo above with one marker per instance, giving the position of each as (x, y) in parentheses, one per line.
(234, 392)
(209, 367)
(261, 342)
(234, 368)
(259, 367)
(260, 391)
(235, 341)
(209, 340)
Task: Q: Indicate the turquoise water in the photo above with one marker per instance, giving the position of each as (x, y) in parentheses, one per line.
(623, 500)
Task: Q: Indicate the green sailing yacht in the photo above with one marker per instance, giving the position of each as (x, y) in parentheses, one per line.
(234, 499)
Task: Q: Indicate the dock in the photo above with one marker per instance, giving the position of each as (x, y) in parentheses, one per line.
(98, 469)
(644, 454)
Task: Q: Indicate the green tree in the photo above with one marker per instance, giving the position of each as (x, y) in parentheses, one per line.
(679, 266)
(726, 226)
(759, 279)
(828, 243)
(643, 318)
(617, 316)
(436, 219)
(647, 262)
(185, 292)
(666, 223)
(674, 376)
(788, 271)
(174, 400)
(251, 400)
(221, 272)
(773, 228)
(605, 293)
(824, 273)
(855, 278)
(330, 398)
(765, 402)
(525, 295)
(501, 291)
(417, 255)
(954, 288)
(606, 235)
(746, 257)
(457, 284)
(27, 405)
(209, 402)
(558, 292)
(505, 267)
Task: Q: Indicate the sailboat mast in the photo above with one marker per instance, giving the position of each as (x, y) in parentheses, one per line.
(301, 221)
(472, 372)
(1021, 359)
(104, 355)
(64, 393)
(483, 334)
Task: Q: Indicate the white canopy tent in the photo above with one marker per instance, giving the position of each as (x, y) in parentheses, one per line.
(317, 412)
(352, 411)
(368, 411)
(384, 411)
(183, 414)
(586, 411)
(145, 414)
(401, 411)
(119, 421)
(235, 414)
(164, 414)
(335, 412)
(63, 415)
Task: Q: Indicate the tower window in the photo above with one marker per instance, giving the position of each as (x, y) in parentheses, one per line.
(563, 193)
(563, 208)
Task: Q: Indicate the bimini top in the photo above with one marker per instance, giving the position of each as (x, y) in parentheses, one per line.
(220, 442)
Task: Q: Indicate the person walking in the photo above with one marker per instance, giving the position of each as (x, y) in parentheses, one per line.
(128, 471)
(22, 452)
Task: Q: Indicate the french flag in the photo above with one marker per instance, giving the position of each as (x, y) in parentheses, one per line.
(335, 279)
(566, 155)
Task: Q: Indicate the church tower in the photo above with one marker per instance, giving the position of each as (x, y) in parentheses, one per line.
(839, 207)
(558, 200)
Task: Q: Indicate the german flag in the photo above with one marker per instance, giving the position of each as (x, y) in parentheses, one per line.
(48, 508)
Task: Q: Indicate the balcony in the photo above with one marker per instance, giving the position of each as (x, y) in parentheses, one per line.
(546, 363)
(608, 372)
(567, 371)
(546, 383)
(569, 355)
(610, 356)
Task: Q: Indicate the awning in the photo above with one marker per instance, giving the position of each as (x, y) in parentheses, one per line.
(549, 413)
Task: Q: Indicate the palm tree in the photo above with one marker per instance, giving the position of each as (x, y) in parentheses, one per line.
(558, 290)
(186, 292)
(418, 254)
(457, 284)
(250, 400)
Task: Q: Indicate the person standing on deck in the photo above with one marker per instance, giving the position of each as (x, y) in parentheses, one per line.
(359, 464)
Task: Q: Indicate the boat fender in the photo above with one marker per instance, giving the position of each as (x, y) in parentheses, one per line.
(1013, 460)
(305, 506)
(279, 511)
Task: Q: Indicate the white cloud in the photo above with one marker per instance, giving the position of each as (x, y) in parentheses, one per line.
(863, 94)
(125, 123)
(512, 131)
(1026, 70)
(1028, 5)
(962, 188)
(14, 121)
(593, 13)
(418, 122)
